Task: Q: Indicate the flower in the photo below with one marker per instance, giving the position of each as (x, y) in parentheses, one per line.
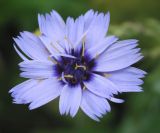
(77, 61)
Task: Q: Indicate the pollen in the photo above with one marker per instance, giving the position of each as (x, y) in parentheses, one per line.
(80, 66)
(68, 76)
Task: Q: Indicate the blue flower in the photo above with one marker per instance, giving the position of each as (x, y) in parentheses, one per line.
(78, 62)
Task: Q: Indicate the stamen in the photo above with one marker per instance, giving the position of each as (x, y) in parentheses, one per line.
(57, 42)
(83, 45)
(60, 78)
(107, 75)
(84, 87)
(68, 76)
(82, 37)
(65, 76)
(55, 47)
(97, 55)
(63, 79)
(73, 69)
(53, 60)
(80, 66)
(37, 32)
(69, 42)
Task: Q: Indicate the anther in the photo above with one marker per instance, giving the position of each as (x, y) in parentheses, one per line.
(53, 60)
(106, 75)
(63, 78)
(80, 66)
(68, 76)
(60, 78)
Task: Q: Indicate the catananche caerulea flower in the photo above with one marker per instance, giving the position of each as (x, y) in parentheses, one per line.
(77, 61)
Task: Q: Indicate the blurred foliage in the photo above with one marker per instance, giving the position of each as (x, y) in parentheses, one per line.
(129, 19)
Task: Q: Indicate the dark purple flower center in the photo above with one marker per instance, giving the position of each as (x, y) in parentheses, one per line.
(74, 70)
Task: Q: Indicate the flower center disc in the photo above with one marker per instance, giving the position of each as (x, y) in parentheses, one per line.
(74, 71)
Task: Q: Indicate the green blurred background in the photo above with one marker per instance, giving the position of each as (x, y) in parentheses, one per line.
(140, 113)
